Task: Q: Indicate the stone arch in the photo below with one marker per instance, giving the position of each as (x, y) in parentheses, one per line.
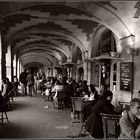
(96, 39)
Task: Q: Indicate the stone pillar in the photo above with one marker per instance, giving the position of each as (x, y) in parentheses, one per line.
(8, 63)
(52, 72)
(3, 58)
(0, 62)
(89, 73)
(85, 67)
(18, 68)
(14, 65)
(85, 64)
(21, 68)
(48, 70)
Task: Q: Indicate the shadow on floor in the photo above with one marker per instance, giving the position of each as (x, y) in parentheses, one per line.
(17, 106)
(14, 131)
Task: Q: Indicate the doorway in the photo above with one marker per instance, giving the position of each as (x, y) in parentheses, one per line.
(105, 73)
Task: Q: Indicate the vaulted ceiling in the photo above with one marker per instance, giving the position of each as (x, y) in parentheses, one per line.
(41, 33)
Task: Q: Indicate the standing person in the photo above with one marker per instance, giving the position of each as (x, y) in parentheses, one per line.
(30, 82)
(22, 79)
(35, 83)
(130, 122)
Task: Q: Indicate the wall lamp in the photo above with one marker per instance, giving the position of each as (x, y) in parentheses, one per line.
(129, 41)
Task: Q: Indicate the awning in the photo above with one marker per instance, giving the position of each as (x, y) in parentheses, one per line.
(68, 64)
(105, 57)
(57, 66)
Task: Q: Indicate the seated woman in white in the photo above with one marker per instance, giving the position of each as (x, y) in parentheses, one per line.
(93, 95)
(58, 87)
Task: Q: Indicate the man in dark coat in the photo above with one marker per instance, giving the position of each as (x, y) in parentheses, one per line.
(22, 79)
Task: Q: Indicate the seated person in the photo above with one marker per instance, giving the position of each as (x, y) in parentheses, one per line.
(15, 84)
(94, 123)
(58, 87)
(59, 95)
(7, 86)
(130, 122)
(4, 88)
(93, 95)
(89, 101)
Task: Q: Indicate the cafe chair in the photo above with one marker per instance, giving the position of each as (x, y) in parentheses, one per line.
(3, 109)
(77, 103)
(111, 125)
(59, 102)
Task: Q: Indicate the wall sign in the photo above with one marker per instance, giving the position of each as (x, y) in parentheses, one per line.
(126, 76)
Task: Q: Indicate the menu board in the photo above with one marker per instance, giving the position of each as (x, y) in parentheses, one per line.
(126, 76)
(96, 77)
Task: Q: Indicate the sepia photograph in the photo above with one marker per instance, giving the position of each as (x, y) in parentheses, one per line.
(69, 69)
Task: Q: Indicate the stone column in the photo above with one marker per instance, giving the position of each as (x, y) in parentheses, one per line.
(21, 68)
(18, 68)
(85, 65)
(8, 63)
(14, 65)
(0, 62)
(52, 72)
(3, 57)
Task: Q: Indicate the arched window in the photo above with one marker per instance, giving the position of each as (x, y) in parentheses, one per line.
(107, 43)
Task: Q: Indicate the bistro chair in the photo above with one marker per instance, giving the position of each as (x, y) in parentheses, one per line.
(111, 125)
(77, 104)
(3, 109)
(59, 102)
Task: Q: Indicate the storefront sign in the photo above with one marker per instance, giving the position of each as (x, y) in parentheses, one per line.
(126, 76)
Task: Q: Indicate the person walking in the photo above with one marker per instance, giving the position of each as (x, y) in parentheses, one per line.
(22, 79)
(30, 82)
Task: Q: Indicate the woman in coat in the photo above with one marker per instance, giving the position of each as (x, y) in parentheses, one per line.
(94, 122)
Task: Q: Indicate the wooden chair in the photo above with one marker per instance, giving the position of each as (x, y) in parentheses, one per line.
(77, 104)
(11, 94)
(59, 102)
(3, 109)
(111, 125)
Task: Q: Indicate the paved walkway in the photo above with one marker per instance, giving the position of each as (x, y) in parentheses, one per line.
(32, 118)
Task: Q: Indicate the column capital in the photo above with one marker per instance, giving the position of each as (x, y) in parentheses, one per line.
(85, 55)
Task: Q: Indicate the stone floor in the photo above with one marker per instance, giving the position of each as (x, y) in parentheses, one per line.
(32, 118)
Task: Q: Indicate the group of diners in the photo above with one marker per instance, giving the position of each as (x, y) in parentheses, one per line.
(52, 87)
(9, 89)
(101, 102)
